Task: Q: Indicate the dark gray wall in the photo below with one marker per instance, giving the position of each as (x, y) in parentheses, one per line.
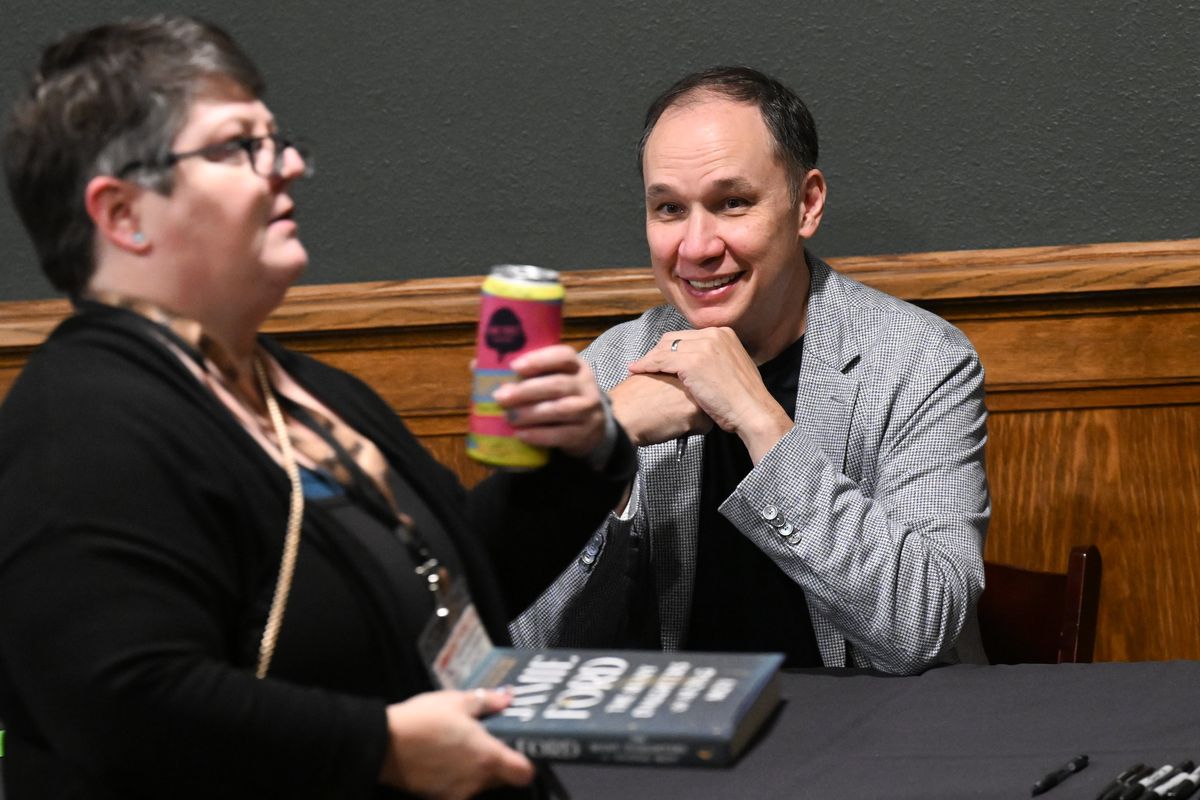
(456, 135)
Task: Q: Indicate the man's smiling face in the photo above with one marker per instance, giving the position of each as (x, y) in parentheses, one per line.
(726, 236)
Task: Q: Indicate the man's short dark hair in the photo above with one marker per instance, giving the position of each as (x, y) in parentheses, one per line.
(785, 115)
(100, 99)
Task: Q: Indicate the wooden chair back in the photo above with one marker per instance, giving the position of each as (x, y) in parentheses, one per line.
(1027, 616)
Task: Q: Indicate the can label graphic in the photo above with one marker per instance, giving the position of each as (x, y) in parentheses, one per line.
(521, 310)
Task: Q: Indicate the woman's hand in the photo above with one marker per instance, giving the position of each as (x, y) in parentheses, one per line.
(437, 747)
(556, 402)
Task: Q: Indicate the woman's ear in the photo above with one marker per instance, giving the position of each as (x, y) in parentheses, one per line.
(112, 205)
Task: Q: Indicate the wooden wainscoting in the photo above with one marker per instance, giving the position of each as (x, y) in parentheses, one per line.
(1093, 377)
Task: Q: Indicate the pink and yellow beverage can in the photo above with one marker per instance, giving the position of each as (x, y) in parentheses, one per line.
(521, 310)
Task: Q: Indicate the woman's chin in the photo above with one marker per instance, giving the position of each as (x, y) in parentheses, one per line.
(288, 264)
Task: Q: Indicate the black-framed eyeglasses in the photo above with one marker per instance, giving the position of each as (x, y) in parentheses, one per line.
(264, 153)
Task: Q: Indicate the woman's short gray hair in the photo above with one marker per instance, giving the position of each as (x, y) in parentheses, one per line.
(101, 99)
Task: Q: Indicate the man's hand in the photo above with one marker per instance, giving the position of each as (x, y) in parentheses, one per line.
(720, 377)
(655, 408)
(556, 402)
(437, 748)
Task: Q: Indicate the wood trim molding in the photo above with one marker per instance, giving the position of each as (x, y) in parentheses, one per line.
(1014, 274)
(1092, 380)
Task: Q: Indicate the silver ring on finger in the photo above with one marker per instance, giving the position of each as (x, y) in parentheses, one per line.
(675, 345)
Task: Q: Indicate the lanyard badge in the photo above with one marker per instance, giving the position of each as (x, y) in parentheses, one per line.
(453, 643)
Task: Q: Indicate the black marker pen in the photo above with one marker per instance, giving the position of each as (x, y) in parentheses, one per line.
(1059, 775)
(1122, 781)
(1138, 789)
(1170, 783)
(1186, 787)
(1145, 787)
(1181, 771)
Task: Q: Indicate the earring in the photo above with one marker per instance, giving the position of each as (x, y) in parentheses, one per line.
(139, 237)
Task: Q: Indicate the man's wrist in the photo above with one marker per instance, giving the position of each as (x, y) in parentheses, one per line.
(765, 433)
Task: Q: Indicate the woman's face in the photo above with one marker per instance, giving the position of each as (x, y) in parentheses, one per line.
(225, 231)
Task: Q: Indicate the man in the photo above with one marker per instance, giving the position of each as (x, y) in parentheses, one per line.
(811, 451)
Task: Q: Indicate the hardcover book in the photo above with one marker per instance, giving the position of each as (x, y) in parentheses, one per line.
(630, 706)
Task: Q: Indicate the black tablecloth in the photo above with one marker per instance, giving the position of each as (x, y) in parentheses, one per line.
(954, 732)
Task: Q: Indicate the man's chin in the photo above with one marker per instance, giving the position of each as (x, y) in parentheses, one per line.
(700, 318)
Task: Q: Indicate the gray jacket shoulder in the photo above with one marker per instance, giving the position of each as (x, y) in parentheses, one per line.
(871, 303)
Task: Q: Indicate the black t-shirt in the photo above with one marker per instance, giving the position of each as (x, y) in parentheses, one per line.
(742, 600)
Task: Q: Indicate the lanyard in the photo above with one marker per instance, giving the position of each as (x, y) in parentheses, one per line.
(291, 543)
(428, 568)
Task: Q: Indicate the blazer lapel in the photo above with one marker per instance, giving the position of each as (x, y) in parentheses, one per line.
(826, 394)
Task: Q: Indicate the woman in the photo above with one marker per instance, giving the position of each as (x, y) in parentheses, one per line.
(215, 553)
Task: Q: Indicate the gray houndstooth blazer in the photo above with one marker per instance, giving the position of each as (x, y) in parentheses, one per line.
(875, 503)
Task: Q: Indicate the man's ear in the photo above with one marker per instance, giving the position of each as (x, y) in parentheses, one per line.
(112, 205)
(812, 203)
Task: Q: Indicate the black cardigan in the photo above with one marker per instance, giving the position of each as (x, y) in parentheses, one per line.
(140, 535)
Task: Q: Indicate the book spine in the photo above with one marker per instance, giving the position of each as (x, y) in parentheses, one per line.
(599, 748)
